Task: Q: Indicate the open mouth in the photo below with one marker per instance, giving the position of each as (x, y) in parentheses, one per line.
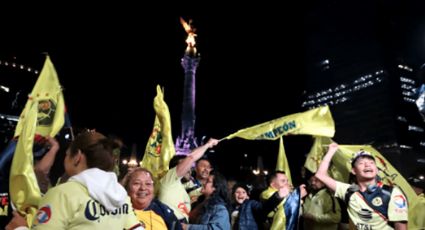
(141, 194)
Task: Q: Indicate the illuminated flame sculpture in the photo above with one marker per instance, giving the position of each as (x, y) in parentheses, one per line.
(190, 40)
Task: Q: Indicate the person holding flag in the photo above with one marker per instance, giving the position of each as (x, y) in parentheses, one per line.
(172, 192)
(42, 166)
(371, 205)
(92, 198)
(287, 212)
(43, 116)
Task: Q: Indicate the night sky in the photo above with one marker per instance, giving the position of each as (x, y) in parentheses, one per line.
(252, 68)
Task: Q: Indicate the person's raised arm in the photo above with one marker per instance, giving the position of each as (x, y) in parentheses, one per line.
(322, 172)
(184, 166)
(45, 164)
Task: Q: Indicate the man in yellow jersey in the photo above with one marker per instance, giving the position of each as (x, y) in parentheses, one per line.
(172, 191)
(370, 205)
(321, 210)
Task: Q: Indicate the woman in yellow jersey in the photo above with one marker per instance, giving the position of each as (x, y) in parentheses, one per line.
(152, 213)
(92, 198)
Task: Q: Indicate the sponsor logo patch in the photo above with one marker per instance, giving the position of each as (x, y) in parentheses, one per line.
(43, 215)
(400, 201)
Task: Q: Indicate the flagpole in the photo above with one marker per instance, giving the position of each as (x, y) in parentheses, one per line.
(224, 138)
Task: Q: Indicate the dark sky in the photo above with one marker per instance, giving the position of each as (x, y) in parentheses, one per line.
(253, 62)
(109, 64)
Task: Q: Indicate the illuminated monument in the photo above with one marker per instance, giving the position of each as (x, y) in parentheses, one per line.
(187, 140)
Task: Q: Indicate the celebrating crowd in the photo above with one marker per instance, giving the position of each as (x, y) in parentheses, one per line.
(93, 198)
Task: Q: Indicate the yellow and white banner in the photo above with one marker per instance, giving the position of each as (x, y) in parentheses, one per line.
(317, 122)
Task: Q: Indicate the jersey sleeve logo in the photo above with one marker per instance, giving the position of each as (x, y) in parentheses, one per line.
(43, 215)
(400, 201)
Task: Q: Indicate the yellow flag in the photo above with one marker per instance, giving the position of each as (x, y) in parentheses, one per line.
(279, 218)
(341, 165)
(316, 153)
(160, 147)
(47, 93)
(387, 172)
(278, 214)
(282, 161)
(317, 122)
(43, 114)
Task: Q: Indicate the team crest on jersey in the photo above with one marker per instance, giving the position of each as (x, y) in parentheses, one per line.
(155, 142)
(183, 208)
(43, 215)
(400, 201)
(377, 201)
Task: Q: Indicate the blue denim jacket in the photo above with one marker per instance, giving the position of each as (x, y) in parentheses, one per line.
(252, 212)
(215, 217)
(246, 215)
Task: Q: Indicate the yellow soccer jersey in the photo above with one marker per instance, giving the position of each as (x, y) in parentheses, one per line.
(173, 194)
(325, 209)
(68, 206)
(150, 220)
(364, 217)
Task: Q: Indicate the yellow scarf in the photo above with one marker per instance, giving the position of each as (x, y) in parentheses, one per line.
(279, 218)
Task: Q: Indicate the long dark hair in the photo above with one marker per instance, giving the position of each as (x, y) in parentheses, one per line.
(220, 194)
(97, 149)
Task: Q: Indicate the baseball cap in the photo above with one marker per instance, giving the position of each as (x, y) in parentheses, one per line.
(361, 154)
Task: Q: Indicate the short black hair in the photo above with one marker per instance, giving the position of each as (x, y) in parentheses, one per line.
(175, 160)
(417, 179)
(204, 158)
(274, 175)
